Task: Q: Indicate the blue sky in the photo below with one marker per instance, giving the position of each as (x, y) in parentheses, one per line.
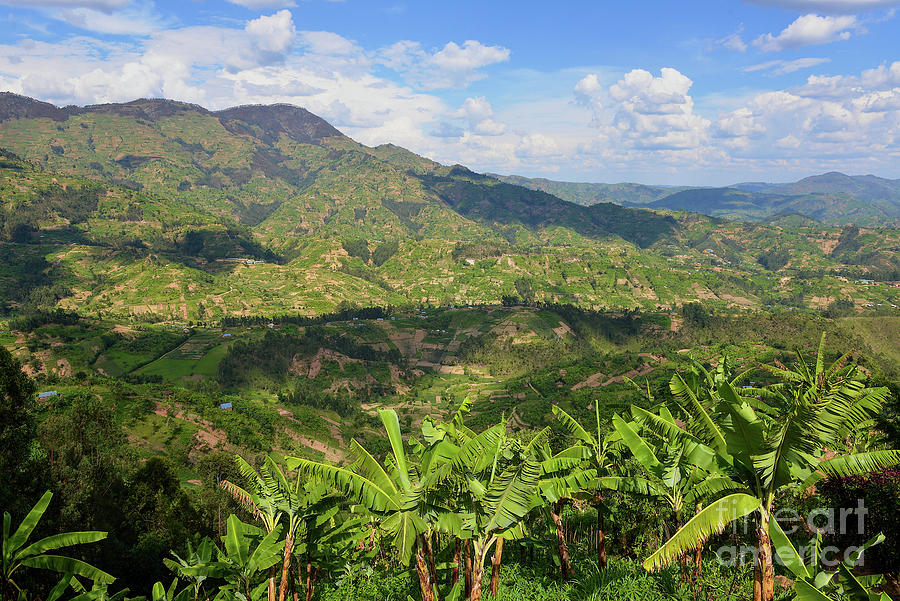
(704, 92)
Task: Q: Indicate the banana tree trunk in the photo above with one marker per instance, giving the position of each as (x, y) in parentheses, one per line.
(467, 567)
(271, 587)
(763, 569)
(425, 583)
(286, 567)
(481, 548)
(310, 577)
(601, 538)
(565, 564)
(495, 567)
(295, 581)
(432, 570)
(454, 574)
(698, 556)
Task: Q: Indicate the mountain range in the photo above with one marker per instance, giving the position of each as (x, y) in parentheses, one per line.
(165, 210)
(831, 198)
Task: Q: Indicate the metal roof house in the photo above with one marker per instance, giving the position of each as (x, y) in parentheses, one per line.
(44, 395)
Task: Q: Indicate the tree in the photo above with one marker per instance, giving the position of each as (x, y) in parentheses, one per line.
(602, 451)
(17, 430)
(18, 554)
(771, 441)
(241, 564)
(563, 478)
(265, 497)
(680, 470)
(383, 492)
(502, 490)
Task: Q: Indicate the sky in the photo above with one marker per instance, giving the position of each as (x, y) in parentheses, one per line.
(705, 92)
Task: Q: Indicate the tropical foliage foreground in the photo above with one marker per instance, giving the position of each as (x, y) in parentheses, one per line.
(445, 502)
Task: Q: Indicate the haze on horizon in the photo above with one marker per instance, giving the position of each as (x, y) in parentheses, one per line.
(723, 92)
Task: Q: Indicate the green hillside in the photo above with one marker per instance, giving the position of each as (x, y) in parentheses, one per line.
(833, 198)
(162, 211)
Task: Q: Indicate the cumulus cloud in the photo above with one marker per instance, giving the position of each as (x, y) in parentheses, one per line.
(782, 67)
(537, 146)
(809, 30)
(478, 113)
(828, 6)
(453, 66)
(274, 33)
(644, 113)
(828, 118)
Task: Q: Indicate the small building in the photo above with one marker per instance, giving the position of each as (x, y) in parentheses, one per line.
(44, 395)
(225, 406)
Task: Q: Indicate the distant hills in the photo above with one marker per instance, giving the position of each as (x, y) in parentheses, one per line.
(162, 210)
(832, 198)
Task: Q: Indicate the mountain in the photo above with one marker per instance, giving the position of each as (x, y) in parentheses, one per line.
(831, 198)
(288, 174)
(162, 210)
(625, 194)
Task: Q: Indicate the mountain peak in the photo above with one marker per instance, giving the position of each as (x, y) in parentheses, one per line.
(14, 106)
(276, 119)
(151, 109)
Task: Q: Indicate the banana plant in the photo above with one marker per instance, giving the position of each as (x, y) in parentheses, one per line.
(160, 593)
(195, 557)
(328, 538)
(680, 470)
(382, 490)
(563, 477)
(264, 497)
(812, 583)
(768, 443)
(500, 499)
(477, 488)
(18, 554)
(603, 459)
(249, 552)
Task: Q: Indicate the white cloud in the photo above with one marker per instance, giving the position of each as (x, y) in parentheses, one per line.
(828, 6)
(264, 4)
(478, 112)
(645, 113)
(107, 6)
(453, 66)
(782, 67)
(130, 21)
(537, 146)
(734, 41)
(326, 42)
(809, 30)
(826, 121)
(273, 33)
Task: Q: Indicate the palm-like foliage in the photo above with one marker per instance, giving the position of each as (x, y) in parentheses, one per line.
(382, 490)
(603, 453)
(199, 556)
(812, 583)
(766, 443)
(249, 552)
(271, 497)
(18, 554)
(501, 490)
